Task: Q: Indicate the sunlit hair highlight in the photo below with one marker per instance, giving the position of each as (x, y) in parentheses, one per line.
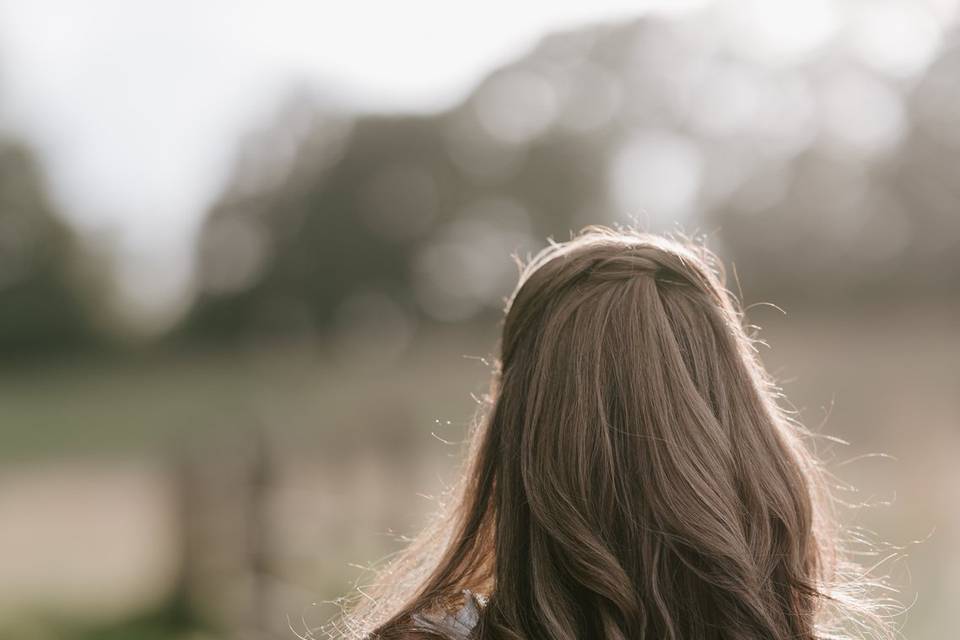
(632, 474)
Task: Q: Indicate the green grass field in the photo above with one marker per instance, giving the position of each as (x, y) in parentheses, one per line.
(351, 436)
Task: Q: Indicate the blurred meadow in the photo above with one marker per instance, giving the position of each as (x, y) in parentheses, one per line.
(253, 260)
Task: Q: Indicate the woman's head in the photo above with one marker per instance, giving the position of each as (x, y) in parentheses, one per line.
(632, 475)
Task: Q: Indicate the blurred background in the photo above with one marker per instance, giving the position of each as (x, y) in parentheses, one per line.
(253, 256)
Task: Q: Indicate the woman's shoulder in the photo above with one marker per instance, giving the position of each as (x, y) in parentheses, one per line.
(453, 624)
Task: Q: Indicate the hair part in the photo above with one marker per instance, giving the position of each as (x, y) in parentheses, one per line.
(631, 475)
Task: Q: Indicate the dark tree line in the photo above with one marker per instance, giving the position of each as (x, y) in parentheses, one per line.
(823, 179)
(807, 207)
(47, 284)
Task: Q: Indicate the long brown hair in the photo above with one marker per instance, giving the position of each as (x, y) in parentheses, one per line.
(632, 475)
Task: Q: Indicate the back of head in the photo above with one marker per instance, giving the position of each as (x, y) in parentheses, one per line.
(653, 484)
(633, 476)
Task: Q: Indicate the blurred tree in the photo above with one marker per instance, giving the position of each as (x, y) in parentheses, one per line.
(827, 176)
(42, 271)
(364, 204)
(282, 257)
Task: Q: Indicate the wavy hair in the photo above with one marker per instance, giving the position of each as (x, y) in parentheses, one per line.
(631, 475)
